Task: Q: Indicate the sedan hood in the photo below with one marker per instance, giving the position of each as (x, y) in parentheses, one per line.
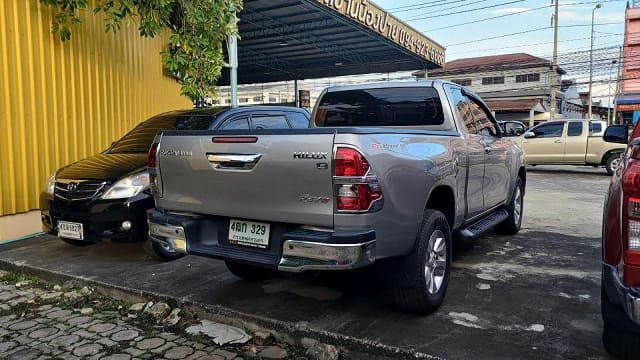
(104, 167)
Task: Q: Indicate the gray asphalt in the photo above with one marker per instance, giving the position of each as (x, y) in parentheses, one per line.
(530, 296)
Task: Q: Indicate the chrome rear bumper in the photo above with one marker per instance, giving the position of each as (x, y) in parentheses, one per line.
(298, 256)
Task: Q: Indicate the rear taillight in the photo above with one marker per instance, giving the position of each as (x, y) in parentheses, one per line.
(631, 213)
(151, 161)
(357, 187)
(152, 164)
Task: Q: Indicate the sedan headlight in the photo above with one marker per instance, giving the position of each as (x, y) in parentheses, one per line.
(128, 187)
(51, 184)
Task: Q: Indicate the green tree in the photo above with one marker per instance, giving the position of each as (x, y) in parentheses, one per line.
(198, 31)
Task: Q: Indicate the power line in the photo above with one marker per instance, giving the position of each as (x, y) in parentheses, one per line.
(466, 11)
(527, 32)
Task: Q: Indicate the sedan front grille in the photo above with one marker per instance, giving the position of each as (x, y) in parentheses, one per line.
(78, 190)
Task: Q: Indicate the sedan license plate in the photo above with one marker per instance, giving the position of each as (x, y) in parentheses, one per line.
(70, 230)
(249, 233)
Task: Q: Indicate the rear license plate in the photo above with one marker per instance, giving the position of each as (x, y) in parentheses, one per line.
(70, 230)
(249, 233)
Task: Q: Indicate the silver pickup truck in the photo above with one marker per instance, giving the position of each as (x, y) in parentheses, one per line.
(395, 174)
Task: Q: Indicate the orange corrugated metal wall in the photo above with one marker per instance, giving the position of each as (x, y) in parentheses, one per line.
(60, 102)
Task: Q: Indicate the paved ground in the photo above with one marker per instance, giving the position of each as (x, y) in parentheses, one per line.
(41, 323)
(530, 296)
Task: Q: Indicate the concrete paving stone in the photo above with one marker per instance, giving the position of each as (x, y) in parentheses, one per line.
(17, 301)
(152, 343)
(179, 352)
(163, 348)
(68, 356)
(134, 352)
(44, 348)
(124, 335)
(4, 332)
(7, 296)
(79, 320)
(5, 307)
(138, 338)
(50, 296)
(196, 355)
(101, 328)
(43, 333)
(59, 314)
(7, 345)
(87, 350)
(65, 341)
(6, 318)
(228, 355)
(23, 339)
(273, 352)
(107, 342)
(23, 325)
(24, 354)
(212, 357)
(84, 334)
(117, 357)
(169, 336)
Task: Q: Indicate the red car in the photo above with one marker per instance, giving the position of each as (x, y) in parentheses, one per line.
(621, 250)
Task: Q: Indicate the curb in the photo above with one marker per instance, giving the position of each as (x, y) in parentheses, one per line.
(224, 314)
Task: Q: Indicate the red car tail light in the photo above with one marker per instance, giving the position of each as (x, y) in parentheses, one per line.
(151, 160)
(357, 187)
(631, 213)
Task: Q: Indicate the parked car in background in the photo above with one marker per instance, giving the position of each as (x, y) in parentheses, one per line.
(107, 195)
(512, 127)
(393, 173)
(620, 299)
(570, 142)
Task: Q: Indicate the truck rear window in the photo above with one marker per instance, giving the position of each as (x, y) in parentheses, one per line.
(402, 106)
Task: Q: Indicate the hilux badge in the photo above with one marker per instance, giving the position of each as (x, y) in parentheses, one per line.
(310, 155)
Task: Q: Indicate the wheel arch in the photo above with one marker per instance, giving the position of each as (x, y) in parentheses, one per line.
(609, 153)
(442, 198)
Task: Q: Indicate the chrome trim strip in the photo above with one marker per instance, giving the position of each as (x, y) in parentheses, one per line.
(168, 235)
(234, 161)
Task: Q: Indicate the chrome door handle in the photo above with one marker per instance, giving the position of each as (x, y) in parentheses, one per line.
(487, 149)
(234, 161)
(558, 142)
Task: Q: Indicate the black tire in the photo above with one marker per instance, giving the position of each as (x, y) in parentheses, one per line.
(611, 163)
(157, 252)
(77, 242)
(412, 291)
(515, 209)
(249, 272)
(621, 337)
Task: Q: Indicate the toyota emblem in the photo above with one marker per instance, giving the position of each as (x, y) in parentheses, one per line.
(72, 186)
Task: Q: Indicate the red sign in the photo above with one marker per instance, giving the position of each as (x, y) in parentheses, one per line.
(628, 107)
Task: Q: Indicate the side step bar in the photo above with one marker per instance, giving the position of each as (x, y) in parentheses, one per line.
(483, 226)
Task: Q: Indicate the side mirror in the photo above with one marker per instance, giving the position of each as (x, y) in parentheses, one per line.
(529, 135)
(616, 134)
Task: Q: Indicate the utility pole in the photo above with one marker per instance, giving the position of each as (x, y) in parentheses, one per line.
(232, 47)
(593, 15)
(554, 64)
(615, 108)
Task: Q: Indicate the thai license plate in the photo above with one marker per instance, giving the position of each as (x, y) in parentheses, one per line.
(70, 230)
(249, 233)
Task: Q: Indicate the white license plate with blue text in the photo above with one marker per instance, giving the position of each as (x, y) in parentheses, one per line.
(70, 230)
(249, 233)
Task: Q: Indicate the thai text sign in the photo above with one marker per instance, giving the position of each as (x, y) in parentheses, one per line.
(390, 27)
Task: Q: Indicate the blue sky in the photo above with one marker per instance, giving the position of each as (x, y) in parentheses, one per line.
(577, 12)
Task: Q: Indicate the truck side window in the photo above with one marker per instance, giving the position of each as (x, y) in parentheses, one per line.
(240, 123)
(484, 124)
(269, 122)
(298, 120)
(549, 130)
(461, 107)
(575, 129)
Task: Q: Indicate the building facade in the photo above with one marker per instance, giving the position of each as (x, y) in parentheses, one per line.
(514, 86)
(61, 102)
(628, 100)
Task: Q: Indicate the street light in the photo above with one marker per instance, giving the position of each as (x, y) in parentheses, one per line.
(593, 14)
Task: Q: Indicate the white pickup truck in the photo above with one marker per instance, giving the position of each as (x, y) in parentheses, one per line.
(393, 173)
(570, 142)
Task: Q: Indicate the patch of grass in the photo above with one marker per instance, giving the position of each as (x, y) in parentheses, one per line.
(13, 277)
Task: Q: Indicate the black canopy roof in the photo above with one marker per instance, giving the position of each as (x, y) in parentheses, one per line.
(306, 39)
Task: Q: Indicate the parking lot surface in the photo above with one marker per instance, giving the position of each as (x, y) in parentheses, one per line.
(529, 296)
